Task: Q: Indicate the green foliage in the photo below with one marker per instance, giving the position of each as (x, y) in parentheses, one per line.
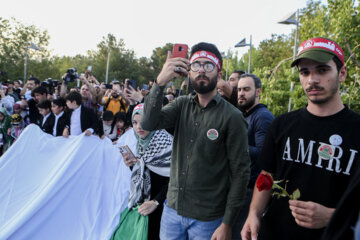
(159, 56)
(13, 38)
(338, 20)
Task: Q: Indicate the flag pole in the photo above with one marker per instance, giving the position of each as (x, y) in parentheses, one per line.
(26, 58)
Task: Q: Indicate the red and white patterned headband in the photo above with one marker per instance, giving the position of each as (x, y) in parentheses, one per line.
(208, 55)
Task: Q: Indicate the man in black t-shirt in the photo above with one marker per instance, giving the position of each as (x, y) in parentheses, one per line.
(315, 149)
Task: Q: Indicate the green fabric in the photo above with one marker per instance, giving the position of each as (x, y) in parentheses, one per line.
(132, 226)
(210, 164)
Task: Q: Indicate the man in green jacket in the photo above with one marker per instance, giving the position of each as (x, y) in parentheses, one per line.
(210, 159)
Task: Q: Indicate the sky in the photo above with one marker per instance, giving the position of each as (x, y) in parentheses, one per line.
(76, 26)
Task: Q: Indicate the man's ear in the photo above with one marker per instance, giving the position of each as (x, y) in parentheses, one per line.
(219, 75)
(342, 73)
(258, 92)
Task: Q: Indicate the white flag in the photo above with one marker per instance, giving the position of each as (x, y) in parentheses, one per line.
(33, 46)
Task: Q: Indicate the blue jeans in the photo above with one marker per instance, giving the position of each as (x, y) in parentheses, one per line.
(176, 227)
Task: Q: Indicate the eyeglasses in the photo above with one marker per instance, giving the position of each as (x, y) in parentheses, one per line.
(208, 66)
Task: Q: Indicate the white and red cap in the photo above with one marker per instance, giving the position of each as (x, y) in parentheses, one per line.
(320, 50)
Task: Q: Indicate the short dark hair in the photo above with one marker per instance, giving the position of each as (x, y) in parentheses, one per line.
(240, 72)
(41, 90)
(121, 116)
(74, 96)
(44, 104)
(257, 81)
(209, 47)
(338, 63)
(36, 80)
(108, 116)
(60, 102)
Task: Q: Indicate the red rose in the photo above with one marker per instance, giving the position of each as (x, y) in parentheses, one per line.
(264, 182)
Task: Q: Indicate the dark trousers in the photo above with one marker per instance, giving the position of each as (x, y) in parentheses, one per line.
(236, 230)
(154, 223)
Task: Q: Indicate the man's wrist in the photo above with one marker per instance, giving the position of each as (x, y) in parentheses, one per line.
(255, 213)
(161, 82)
(226, 226)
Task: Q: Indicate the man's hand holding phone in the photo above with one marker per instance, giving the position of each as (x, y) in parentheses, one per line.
(174, 67)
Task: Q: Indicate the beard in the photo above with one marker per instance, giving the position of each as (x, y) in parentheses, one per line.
(247, 104)
(331, 93)
(202, 87)
(115, 95)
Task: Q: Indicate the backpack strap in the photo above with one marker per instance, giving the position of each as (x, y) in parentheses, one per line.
(107, 103)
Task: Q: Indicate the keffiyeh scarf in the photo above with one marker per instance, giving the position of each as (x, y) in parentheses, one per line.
(156, 157)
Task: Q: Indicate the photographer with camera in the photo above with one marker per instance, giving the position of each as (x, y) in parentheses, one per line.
(50, 85)
(114, 100)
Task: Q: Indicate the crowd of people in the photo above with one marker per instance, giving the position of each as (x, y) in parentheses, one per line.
(54, 108)
(201, 148)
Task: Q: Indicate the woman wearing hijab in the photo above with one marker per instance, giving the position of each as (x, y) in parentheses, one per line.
(150, 172)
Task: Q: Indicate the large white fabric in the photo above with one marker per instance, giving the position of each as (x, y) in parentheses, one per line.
(58, 188)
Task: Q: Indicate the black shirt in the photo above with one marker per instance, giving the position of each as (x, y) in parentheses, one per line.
(34, 114)
(318, 155)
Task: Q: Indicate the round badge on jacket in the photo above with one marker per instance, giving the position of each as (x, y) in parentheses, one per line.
(326, 151)
(212, 134)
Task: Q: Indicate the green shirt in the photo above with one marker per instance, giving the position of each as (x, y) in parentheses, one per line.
(210, 164)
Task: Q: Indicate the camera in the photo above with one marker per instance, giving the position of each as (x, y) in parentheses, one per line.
(71, 75)
(50, 84)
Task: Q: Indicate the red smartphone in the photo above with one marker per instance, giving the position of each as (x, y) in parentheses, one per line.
(180, 50)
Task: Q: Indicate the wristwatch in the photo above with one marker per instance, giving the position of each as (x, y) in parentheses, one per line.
(156, 202)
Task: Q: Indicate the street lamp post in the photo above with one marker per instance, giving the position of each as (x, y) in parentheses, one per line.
(26, 58)
(33, 46)
(293, 19)
(243, 43)
(107, 67)
(227, 65)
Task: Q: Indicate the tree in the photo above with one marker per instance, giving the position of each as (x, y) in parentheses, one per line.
(340, 21)
(13, 38)
(159, 56)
